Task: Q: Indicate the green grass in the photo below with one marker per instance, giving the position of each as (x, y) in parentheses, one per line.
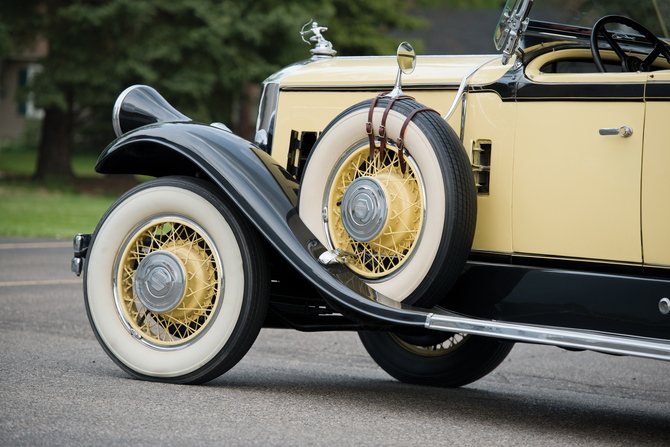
(35, 212)
(25, 163)
(50, 208)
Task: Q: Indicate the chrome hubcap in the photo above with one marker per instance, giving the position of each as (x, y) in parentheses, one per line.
(160, 281)
(364, 209)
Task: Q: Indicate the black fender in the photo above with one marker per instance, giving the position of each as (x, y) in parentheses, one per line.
(265, 193)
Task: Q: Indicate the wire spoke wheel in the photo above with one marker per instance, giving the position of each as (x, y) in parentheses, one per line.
(176, 282)
(189, 313)
(384, 225)
(433, 349)
(406, 234)
(435, 358)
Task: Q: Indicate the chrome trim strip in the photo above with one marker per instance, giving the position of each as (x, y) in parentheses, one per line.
(267, 106)
(567, 338)
(565, 271)
(421, 56)
(662, 266)
(520, 256)
(367, 88)
(464, 108)
(479, 250)
(462, 86)
(117, 109)
(267, 112)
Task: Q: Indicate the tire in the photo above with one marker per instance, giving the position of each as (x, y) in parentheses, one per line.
(410, 253)
(175, 282)
(437, 358)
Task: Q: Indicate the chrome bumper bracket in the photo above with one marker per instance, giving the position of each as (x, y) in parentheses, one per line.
(80, 245)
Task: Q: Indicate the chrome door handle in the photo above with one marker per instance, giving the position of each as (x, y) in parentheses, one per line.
(624, 131)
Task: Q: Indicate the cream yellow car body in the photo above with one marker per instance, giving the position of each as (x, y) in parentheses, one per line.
(551, 228)
(557, 188)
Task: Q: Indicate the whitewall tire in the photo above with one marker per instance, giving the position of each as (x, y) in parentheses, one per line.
(409, 233)
(175, 282)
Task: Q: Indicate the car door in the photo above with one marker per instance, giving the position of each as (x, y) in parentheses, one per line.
(655, 175)
(576, 193)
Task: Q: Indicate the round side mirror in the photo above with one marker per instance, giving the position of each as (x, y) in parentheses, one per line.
(406, 58)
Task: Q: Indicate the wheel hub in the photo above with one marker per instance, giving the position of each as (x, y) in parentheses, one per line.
(160, 281)
(364, 209)
(374, 210)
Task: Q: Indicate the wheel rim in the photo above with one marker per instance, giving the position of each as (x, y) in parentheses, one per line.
(451, 343)
(374, 211)
(168, 281)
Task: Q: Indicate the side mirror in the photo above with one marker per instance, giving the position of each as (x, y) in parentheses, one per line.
(406, 58)
(406, 64)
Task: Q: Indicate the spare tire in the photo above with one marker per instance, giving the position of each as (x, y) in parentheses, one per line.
(408, 231)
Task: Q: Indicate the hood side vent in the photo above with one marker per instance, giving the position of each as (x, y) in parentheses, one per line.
(481, 165)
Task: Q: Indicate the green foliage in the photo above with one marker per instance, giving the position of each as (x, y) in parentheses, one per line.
(13, 160)
(361, 28)
(5, 40)
(198, 53)
(28, 142)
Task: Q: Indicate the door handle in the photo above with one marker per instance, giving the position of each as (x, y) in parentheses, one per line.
(624, 131)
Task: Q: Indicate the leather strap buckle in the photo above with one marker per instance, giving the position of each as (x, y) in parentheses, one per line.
(368, 125)
(382, 128)
(368, 128)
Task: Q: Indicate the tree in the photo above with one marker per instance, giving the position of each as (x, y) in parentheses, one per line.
(199, 53)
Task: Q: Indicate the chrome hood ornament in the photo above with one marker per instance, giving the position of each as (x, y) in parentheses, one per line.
(323, 47)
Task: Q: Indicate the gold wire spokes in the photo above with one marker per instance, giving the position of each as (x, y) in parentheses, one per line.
(390, 216)
(144, 288)
(452, 342)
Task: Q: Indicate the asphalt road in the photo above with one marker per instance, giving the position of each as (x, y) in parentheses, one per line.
(57, 386)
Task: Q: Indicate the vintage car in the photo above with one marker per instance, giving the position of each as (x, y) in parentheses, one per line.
(485, 200)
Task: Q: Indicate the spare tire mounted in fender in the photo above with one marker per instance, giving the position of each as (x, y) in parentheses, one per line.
(407, 217)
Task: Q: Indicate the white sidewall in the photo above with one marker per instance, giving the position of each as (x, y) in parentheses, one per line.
(100, 271)
(340, 137)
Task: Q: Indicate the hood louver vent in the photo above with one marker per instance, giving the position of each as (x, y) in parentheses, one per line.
(481, 165)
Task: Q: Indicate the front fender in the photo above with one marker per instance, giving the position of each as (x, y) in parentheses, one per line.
(265, 193)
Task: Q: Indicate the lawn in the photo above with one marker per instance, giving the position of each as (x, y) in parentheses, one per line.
(25, 163)
(37, 212)
(53, 208)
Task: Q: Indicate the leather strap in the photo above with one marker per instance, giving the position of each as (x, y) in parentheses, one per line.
(382, 127)
(368, 125)
(401, 137)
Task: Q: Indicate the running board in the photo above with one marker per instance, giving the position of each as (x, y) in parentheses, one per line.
(563, 337)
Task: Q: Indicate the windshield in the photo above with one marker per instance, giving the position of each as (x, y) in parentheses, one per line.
(652, 14)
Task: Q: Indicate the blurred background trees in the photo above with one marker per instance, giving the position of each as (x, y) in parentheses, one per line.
(206, 57)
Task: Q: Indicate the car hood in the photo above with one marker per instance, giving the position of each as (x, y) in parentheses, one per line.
(352, 72)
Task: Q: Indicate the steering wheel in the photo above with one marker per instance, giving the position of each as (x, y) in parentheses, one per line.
(628, 63)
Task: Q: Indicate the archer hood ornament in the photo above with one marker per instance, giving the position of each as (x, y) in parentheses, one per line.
(323, 47)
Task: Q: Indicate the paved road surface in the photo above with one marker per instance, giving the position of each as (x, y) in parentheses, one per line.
(57, 387)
